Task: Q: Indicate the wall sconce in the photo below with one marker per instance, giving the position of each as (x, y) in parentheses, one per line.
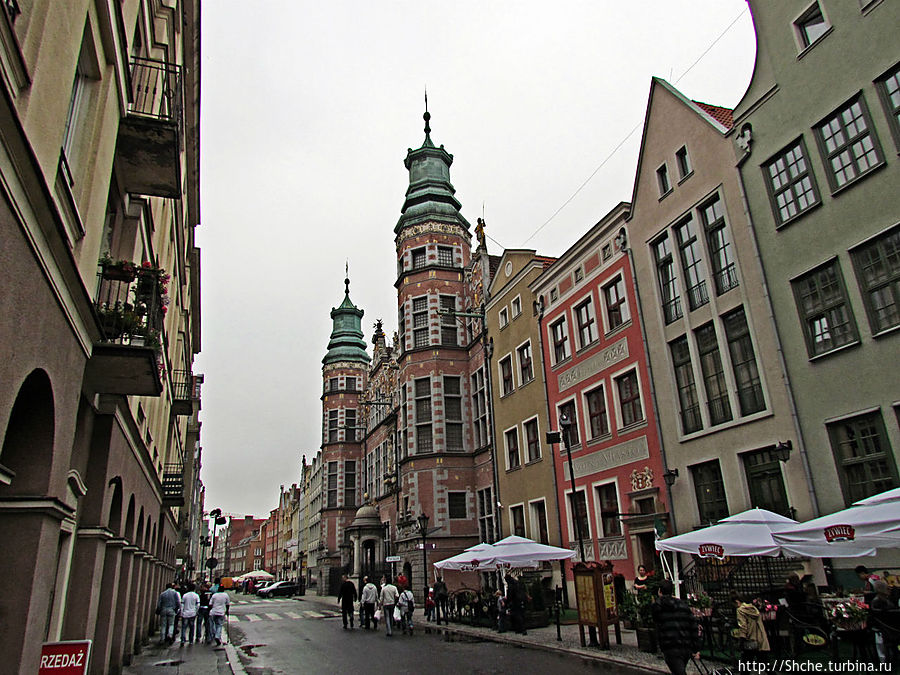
(670, 476)
(782, 450)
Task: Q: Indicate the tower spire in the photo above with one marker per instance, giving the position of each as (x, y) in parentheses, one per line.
(427, 117)
(347, 277)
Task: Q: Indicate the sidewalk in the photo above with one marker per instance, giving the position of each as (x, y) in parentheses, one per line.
(542, 638)
(196, 659)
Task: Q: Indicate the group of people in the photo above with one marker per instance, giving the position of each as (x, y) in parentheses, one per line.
(390, 602)
(511, 606)
(198, 609)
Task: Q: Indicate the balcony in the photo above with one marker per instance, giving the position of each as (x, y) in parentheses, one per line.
(149, 143)
(130, 306)
(185, 392)
(173, 485)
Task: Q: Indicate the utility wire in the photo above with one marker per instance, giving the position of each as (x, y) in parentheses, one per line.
(630, 133)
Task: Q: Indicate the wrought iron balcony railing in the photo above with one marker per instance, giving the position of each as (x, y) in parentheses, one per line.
(155, 89)
(131, 302)
(173, 484)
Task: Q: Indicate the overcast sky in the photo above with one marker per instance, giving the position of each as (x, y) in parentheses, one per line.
(308, 109)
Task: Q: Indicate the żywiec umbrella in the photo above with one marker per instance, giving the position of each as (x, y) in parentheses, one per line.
(257, 574)
(880, 498)
(475, 558)
(743, 534)
(516, 551)
(853, 532)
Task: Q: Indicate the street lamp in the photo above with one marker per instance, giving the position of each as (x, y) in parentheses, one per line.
(423, 530)
(565, 423)
(670, 476)
(782, 450)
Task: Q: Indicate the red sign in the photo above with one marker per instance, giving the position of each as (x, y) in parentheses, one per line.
(711, 551)
(65, 658)
(839, 533)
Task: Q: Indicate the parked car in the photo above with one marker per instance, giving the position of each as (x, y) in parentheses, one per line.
(278, 588)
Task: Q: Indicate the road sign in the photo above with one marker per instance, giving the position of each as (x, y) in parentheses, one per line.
(392, 558)
(212, 563)
(65, 658)
(419, 546)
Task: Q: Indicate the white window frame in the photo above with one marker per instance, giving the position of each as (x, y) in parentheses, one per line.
(532, 530)
(516, 306)
(586, 537)
(506, 431)
(519, 505)
(633, 366)
(537, 422)
(512, 374)
(604, 387)
(601, 534)
(586, 299)
(564, 319)
(503, 317)
(522, 380)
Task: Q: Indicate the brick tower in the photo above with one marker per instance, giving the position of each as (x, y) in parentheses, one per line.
(343, 378)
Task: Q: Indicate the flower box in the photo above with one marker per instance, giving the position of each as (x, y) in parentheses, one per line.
(120, 271)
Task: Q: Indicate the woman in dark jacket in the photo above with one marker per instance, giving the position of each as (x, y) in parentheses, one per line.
(676, 629)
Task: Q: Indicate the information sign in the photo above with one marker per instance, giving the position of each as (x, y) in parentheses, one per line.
(65, 658)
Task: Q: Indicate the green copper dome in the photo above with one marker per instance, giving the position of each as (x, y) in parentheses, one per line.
(347, 343)
(430, 195)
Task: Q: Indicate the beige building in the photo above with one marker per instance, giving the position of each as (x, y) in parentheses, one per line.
(817, 136)
(100, 287)
(525, 472)
(723, 408)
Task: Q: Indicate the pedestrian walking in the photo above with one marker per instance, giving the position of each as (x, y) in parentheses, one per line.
(167, 607)
(429, 605)
(368, 601)
(515, 602)
(346, 597)
(190, 606)
(441, 597)
(218, 608)
(676, 629)
(389, 598)
(203, 614)
(407, 603)
(502, 614)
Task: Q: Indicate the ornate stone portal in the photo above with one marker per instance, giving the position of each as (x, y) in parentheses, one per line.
(366, 537)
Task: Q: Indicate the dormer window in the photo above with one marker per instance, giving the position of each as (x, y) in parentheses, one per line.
(811, 25)
(662, 178)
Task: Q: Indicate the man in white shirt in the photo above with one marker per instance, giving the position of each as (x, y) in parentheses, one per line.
(190, 604)
(369, 599)
(389, 597)
(218, 608)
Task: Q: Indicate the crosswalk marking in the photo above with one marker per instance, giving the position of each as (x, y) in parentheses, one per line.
(232, 618)
(293, 615)
(252, 617)
(276, 617)
(314, 614)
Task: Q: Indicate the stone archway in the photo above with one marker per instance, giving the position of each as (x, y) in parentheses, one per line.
(30, 519)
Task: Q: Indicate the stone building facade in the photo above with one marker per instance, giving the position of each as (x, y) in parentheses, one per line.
(100, 280)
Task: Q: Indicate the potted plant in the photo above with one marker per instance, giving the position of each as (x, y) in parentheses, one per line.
(637, 611)
(117, 270)
(850, 614)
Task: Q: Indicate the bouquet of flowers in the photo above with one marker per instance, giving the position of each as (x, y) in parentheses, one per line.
(700, 603)
(766, 608)
(850, 614)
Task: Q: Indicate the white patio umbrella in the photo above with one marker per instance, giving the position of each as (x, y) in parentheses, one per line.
(880, 498)
(516, 551)
(743, 534)
(853, 532)
(257, 574)
(475, 558)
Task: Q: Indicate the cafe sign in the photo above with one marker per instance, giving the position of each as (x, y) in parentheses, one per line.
(711, 551)
(839, 533)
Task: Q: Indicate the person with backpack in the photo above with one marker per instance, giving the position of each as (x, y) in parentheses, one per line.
(407, 604)
(677, 630)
